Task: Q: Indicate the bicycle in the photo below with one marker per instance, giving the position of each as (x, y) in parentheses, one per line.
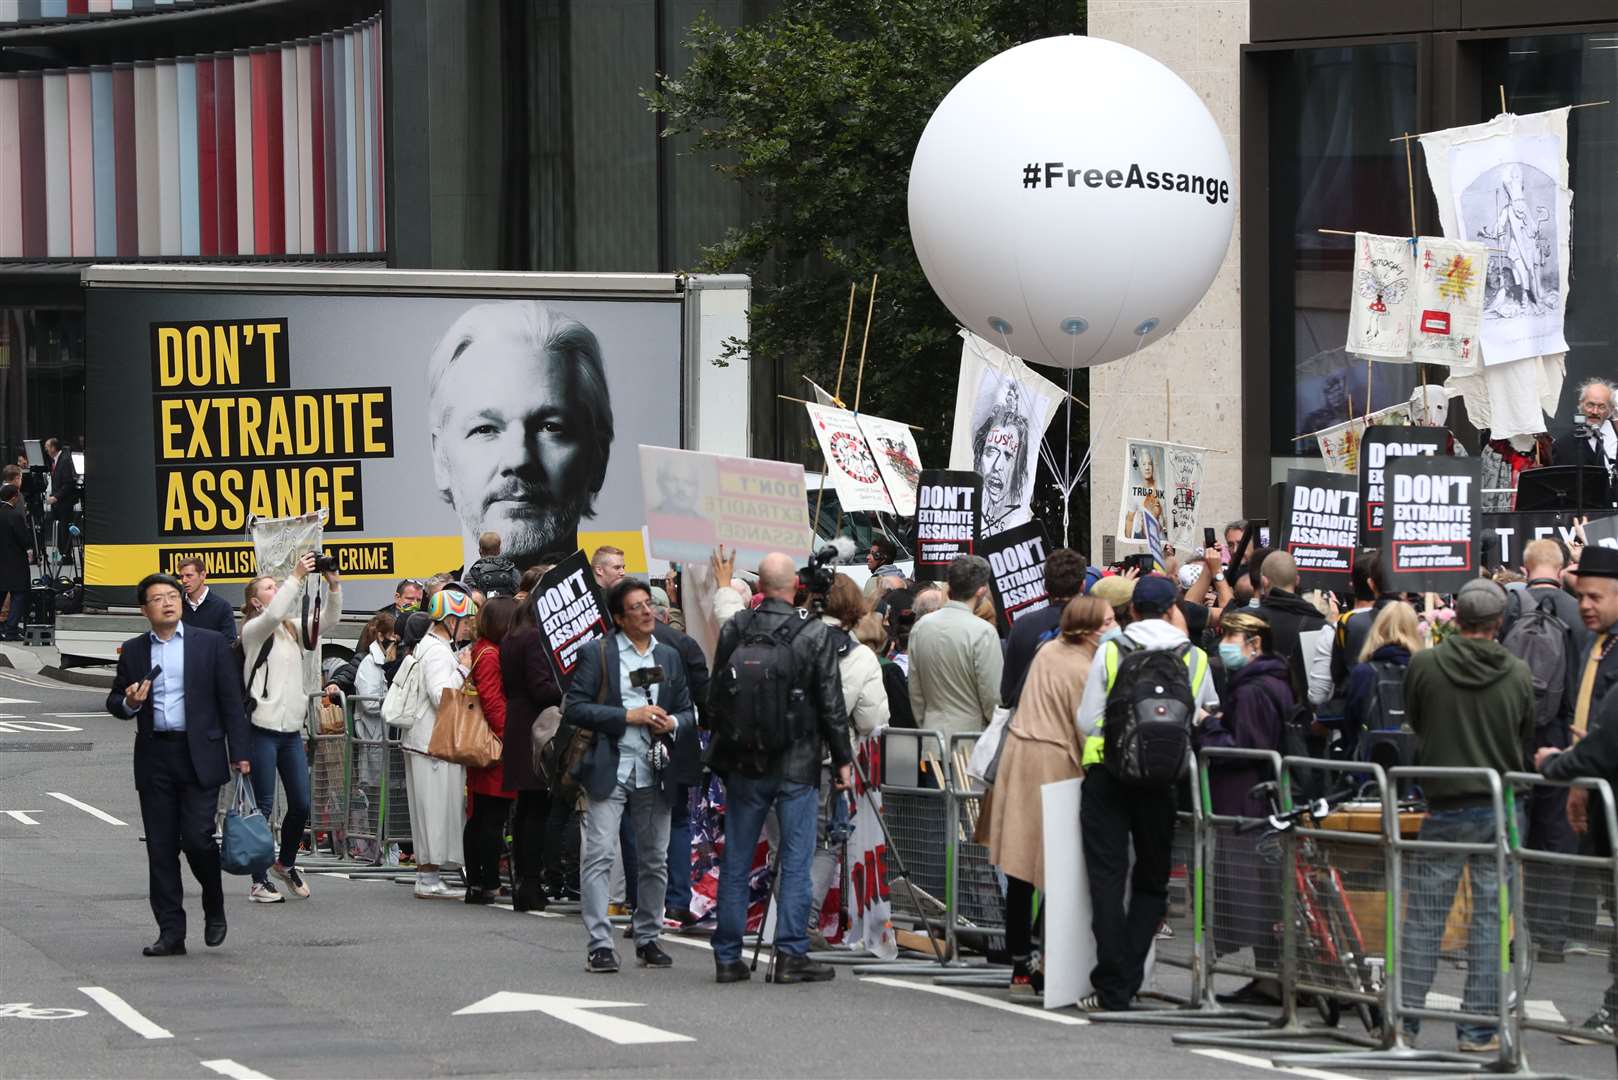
(1329, 935)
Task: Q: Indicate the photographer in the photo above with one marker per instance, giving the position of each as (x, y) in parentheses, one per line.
(630, 689)
(273, 648)
(753, 646)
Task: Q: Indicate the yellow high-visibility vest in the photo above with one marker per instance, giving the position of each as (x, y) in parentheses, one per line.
(1196, 662)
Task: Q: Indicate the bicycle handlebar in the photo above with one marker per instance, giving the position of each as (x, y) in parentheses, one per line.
(1283, 822)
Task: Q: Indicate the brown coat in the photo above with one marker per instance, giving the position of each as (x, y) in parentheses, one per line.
(1042, 746)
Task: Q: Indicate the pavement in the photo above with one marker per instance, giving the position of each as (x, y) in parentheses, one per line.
(364, 980)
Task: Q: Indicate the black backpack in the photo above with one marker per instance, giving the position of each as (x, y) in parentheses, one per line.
(766, 708)
(1541, 639)
(1146, 732)
(1387, 708)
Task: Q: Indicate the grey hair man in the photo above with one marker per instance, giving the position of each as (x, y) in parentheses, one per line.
(955, 657)
(520, 423)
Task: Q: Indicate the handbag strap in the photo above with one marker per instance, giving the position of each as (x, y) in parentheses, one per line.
(601, 694)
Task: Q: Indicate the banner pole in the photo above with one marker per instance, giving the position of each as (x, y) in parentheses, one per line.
(848, 326)
(859, 377)
(1410, 182)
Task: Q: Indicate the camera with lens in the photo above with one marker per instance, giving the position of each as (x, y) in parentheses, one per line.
(818, 575)
(325, 564)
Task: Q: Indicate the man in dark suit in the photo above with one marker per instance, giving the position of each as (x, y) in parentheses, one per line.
(631, 690)
(64, 491)
(1599, 446)
(204, 607)
(184, 720)
(16, 552)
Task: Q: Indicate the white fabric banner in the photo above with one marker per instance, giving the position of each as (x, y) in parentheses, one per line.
(1449, 301)
(1379, 311)
(1504, 183)
(1340, 445)
(897, 458)
(1162, 481)
(870, 911)
(849, 464)
(1002, 408)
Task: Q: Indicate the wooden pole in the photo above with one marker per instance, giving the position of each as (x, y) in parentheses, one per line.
(1410, 182)
(1580, 105)
(859, 377)
(804, 401)
(848, 326)
(1502, 98)
(1168, 410)
(1367, 387)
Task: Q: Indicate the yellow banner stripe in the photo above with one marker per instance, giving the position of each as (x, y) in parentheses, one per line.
(368, 558)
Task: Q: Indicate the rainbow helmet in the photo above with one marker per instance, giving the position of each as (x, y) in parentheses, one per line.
(448, 602)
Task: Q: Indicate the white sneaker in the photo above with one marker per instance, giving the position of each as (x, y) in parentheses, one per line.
(264, 893)
(293, 878)
(436, 890)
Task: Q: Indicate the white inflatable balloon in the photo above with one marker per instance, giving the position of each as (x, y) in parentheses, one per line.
(1071, 200)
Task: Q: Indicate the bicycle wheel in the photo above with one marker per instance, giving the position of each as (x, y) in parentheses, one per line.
(1350, 948)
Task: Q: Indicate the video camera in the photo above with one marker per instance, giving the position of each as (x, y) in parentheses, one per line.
(818, 575)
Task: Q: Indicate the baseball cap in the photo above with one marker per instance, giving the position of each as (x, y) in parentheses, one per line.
(1189, 573)
(1480, 601)
(1115, 590)
(1154, 595)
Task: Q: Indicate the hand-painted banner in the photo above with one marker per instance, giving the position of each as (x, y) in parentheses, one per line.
(1002, 408)
(570, 613)
(947, 521)
(897, 458)
(1340, 445)
(850, 467)
(1432, 529)
(1322, 528)
(695, 502)
(1017, 571)
(1449, 301)
(1379, 309)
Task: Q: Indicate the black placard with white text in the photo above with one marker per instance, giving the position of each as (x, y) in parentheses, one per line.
(1321, 518)
(1434, 518)
(571, 613)
(1380, 445)
(1506, 535)
(1017, 571)
(948, 503)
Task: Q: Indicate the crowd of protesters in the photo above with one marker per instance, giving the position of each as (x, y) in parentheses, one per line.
(594, 786)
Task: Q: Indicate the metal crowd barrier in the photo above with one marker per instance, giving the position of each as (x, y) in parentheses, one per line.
(1558, 985)
(358, 805)
(328, 781)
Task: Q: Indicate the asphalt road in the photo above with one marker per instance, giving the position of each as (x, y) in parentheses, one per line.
(363, 980)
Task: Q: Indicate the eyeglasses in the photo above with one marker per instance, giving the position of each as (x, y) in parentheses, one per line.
(635, 609)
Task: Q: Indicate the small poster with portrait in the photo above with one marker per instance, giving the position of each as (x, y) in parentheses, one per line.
(1162, 490)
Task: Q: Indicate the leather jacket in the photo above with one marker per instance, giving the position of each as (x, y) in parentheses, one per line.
(815, 671)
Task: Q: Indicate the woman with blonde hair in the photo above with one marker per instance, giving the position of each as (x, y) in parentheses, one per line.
(1376, 684)
(1042, 746)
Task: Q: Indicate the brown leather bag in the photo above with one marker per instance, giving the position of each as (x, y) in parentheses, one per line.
(461, 735)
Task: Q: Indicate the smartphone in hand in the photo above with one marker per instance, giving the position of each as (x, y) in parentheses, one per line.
(151, 676)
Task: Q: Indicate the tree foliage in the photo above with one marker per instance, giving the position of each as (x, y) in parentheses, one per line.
(817, 110)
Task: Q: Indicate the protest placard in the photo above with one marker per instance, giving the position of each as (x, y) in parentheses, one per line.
(1504, 536)
(570, 612)
(948, 505)
(1017, 571)
(1321, 526)
(1430, 539)
(1380, 444)
(694, 502)
(850, 466)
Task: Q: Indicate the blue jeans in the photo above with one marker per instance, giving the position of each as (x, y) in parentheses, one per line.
(747, 801)
(1432, 879)
(273, 752)
(678, 895)
(19, 608)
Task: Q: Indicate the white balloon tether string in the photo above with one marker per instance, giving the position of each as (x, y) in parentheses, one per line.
(1096, 436)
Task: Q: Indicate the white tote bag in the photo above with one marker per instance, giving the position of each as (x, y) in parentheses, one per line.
(985, 757)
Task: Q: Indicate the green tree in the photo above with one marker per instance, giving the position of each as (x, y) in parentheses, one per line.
(817, 110)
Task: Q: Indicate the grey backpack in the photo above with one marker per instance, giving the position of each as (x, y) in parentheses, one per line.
(1539, 637)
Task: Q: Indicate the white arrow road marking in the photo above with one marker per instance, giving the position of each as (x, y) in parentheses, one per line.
(977, 999)
(87, 808)
(13, 724)
(21, 815)
(17, 701)
(577, 1011)
(125, 1013)
(233, 1069)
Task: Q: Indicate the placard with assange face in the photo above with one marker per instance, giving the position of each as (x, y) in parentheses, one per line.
(1145, 474)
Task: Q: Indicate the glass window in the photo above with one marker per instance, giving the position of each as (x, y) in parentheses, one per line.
(1332, 114)
(1548, 72)
(41, 376)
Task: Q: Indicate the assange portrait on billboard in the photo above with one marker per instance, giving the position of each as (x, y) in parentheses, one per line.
(419, 422)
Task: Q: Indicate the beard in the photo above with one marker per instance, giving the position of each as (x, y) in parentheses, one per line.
(534, 531)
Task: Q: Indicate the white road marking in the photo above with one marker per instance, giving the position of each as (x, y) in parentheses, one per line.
(234, 1069)
(580, 1013)
(79, 715)
(125, 1013)
(21, 815)
(47, 684)
(697, 943)
(540, 914)
(1270, 1066)
(11, 725)
(87, 808)
(17, 701)
(977, 999)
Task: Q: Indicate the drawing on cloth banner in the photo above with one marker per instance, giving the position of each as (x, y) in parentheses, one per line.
(1379, 309)
(1504, 184)
(1002, 408)
(849, 465)
(1449, 301)
(898, 459)
(1340, 445)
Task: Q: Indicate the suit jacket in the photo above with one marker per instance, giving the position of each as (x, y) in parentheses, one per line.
(1572, 450)
(15, 544)
(687, 746)
(64, 484)
(214, 721)
(214, 613)
(598, 772)
(1606, 680)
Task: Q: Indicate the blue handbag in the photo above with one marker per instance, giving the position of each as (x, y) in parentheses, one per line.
(247, 847)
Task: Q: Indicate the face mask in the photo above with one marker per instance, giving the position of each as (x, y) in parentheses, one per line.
(1231, 655)
(407, 606)
(1112, 633)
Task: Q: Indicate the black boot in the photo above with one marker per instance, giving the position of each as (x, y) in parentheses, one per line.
(801, 969)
